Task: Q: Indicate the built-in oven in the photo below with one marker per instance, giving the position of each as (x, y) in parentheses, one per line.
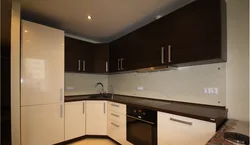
(141, 126)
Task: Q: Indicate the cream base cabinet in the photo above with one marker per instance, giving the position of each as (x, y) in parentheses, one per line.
(42, 124)
(74, 119)
(179, 130)
(96, 117)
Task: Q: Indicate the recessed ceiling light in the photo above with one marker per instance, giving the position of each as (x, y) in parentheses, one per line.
(26, 31)
(89, 17)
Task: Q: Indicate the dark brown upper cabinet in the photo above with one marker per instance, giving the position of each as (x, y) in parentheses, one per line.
(78, 56)
(195, 33)
(101, 58)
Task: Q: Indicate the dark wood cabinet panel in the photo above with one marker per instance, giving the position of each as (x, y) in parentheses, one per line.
(78, 55)
(196, 32)
(101, 58)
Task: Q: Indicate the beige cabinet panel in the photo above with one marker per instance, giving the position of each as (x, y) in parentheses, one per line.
(42, 64)
(42, 124)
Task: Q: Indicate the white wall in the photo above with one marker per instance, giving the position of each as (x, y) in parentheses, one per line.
(186, 84)
(237, 72)
(84, 83)
(15, 74)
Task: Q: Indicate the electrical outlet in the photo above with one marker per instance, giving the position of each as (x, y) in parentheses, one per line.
(210, 91)
(69, 88)
(140, 88)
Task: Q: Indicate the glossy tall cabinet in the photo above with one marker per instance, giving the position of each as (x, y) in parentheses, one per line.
(42, 83)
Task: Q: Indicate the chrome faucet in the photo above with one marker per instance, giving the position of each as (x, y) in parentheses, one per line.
(112, 94)
(102, 90)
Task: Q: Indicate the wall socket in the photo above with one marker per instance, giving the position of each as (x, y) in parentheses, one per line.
(140, 88)
(211, 91)
(69, 88)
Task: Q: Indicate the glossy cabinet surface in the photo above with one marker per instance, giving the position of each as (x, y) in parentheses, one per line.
(101, 58)
(42, 124)
(74, 119)
(42, 64)
(179, 130)
(96, 117)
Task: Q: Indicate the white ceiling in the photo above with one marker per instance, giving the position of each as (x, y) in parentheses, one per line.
(110, 18)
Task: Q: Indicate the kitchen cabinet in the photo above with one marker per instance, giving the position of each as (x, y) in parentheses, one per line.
(42, 64)
(74, 119)
(117, 122)
(101, 58)
(178, 130)
(78, 55)
(162, 143)
(42, 83)
(96, 117)
(42, 124)
(195, 33)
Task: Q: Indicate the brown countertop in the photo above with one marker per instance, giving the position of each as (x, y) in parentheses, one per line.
(202, 112)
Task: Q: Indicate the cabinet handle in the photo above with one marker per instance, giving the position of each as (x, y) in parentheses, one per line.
(114, 105)
(83, 107)
(114, 124)
(114, 115)
(61, 111)
(61, 94)
(121, 63)
(181, 121)
(104, 108)
(162, 55)
(83, 66)
(79, 65)
(169, 53)
(118, 64)
(107, 66)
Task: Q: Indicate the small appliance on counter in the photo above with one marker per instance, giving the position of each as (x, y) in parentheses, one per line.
(236, 138)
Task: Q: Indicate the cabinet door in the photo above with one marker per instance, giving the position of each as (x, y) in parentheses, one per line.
(74, 119)
(42, 64)
(196, 32)
(117, 131)
(178, 130)
(101, 58)
(73, 62)
(96, 117)
(42, 124)
(87, 53)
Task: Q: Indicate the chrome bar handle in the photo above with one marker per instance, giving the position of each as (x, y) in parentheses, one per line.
(181, 121)
(79, 65)
(118, 64)
(61, 111)
(121, 63)
(83, 104)
(114, 124)
(162, 55)
(61, 95)
(114, 115)
(114, 105)
(107, 66)
(83, 65)
(104, 108)
(169, 53)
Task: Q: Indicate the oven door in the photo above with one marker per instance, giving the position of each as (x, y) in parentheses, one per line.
(141, 132)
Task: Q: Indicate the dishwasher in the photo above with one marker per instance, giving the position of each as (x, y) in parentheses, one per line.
(141, 126)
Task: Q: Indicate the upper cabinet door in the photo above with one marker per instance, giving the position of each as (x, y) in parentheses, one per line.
(101, 58)
(42, 64)
(196, 32)
(78, 56)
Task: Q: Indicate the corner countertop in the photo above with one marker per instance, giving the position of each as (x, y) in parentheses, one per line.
(229, 126)
(202, 112)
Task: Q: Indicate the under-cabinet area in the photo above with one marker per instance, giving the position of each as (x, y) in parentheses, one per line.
(144, 72)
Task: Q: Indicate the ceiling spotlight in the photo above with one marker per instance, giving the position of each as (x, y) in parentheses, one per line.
(89, 17)
(26, 31)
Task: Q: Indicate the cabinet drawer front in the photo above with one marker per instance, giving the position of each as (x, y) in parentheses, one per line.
(117, 131)
(173, 127)
(117, 117)
(117, 107)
